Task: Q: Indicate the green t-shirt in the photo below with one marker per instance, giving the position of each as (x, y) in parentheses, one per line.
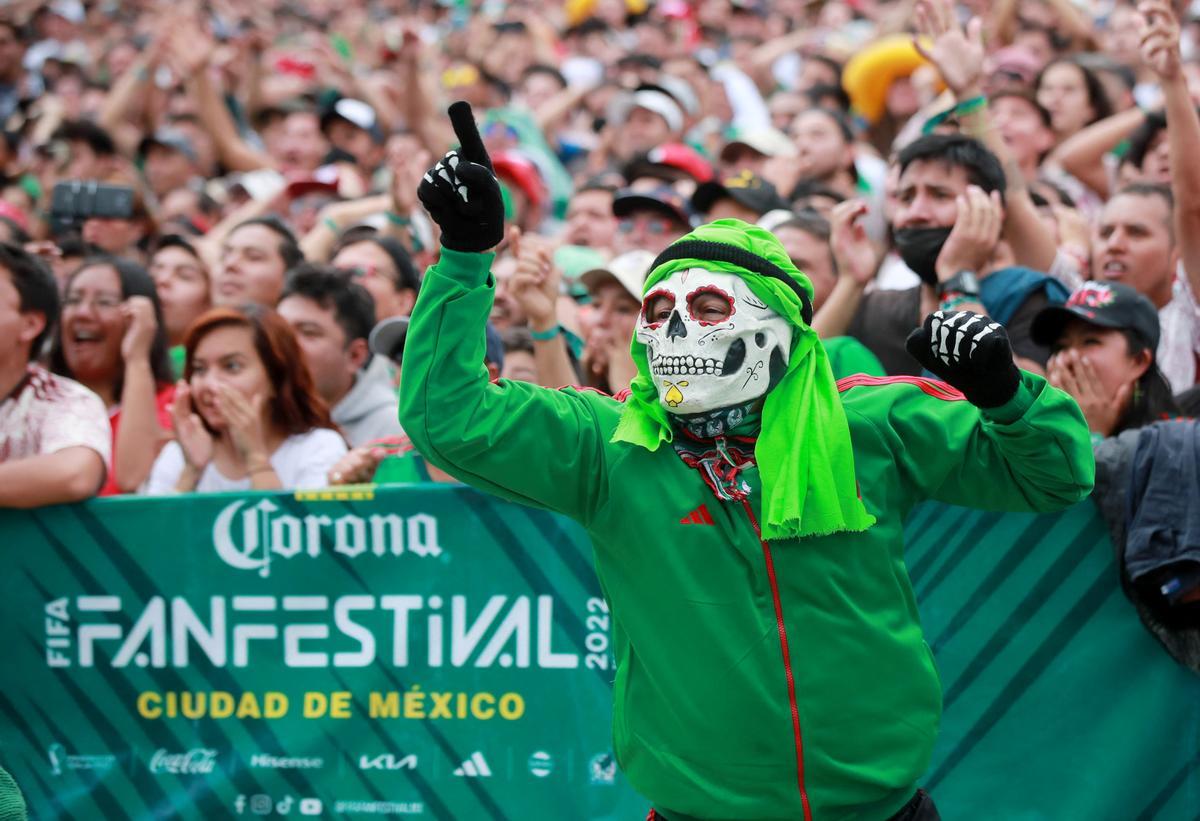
(848, 356)
(178, 357)
(401, 469)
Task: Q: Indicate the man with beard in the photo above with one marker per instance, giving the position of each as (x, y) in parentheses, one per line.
(746, 512)
(947, 224)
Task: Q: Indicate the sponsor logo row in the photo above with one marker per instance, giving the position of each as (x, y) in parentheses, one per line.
(601, 767)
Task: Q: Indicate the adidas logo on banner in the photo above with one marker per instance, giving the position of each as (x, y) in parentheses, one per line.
(699, 516)
(474, 767)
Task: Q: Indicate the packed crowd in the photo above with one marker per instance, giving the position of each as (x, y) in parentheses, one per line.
(211, 239)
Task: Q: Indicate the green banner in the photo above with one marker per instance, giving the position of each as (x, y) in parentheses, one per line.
(434, 652)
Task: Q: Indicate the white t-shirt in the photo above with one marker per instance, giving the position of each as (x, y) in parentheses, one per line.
(48, 413)
(1179, 339)
(301, 463)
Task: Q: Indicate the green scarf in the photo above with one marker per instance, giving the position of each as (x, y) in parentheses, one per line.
(805, 458)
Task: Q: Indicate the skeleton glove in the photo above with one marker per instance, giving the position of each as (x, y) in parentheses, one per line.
(969, 351)
(461, 193)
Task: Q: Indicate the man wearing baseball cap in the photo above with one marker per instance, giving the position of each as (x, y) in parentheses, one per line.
(616, 292)
(744, 196)
(649, 218)
(1104, 341)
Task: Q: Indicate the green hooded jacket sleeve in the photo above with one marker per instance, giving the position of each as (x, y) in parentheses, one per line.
(1031, 454)
(519, 441)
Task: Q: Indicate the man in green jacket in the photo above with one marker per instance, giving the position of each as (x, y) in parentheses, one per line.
(746, 510)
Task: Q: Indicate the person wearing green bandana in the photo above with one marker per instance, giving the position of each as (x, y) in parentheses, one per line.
(746, 510)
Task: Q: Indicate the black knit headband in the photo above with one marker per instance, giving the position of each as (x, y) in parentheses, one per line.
(702, 249)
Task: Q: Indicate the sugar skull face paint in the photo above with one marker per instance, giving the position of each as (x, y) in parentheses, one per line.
(710, 342)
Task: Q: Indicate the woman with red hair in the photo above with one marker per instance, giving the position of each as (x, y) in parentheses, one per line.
(246, 414)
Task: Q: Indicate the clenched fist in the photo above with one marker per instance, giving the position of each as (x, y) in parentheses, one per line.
(970, 352)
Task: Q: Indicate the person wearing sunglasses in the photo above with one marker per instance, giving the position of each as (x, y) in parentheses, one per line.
(648, 219)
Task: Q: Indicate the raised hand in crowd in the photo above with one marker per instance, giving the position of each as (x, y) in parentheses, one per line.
(975, 233)
(856, 261)
(244, 415)
(193, 437)
(535, 283)
(357, 466)
(1074, 373)
(970, 352)
(461, 192)
(957, 54)
(1160, 51)
(141, 325)
(1160, 40)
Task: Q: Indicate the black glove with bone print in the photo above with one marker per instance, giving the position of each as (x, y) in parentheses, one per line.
(970, 352)
(461, 193)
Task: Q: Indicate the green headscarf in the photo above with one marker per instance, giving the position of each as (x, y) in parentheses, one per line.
(805, 458)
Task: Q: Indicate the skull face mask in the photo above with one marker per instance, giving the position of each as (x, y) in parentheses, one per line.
(710, 342)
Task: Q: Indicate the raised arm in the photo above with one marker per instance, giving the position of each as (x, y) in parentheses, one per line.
(1160, 51)
(520, 441)
(193, 49)
(1004, 440)
(959, 58)
(1082, 154)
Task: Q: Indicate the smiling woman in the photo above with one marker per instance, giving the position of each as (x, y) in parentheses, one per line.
(112, 339)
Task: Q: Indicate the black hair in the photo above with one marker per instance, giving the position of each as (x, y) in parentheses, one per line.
(820, 91)
(406, 269)
(639, 60)
(1094, 61)
(956, 150)
(19, 235)
(135, 281)
(592, 25)
(289, 248)
(37, 290)
(517, 338)
(351, 303)
(177, 241)
(1143, 137)
(548, 70)
(72, 245)
(840, 119)
(808, 221)
(1027, 96)
(1097, 98)
(1152, 399)
(815, 188)
(85, 131)
(1152, 189)
(828, 61)
(597, 184)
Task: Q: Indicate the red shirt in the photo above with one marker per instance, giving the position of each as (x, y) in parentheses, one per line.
(162, 401)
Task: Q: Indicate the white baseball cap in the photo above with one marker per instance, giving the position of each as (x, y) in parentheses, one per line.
(629, 269)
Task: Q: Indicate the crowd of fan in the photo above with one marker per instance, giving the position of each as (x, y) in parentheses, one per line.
(211, 240)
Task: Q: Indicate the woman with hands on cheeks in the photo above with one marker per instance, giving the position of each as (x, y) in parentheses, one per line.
(246, 414)
(1103, 342)
(112, 338)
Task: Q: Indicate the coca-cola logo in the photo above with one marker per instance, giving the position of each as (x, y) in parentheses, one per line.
(200, 761)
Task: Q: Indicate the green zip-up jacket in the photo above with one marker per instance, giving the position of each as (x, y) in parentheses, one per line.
(787, 680)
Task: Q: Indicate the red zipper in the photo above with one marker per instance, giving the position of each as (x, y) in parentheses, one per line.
(787, 660)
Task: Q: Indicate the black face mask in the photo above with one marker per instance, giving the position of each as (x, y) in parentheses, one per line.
(919, 248)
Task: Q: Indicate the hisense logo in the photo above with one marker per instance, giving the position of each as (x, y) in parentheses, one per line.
(267, 534)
